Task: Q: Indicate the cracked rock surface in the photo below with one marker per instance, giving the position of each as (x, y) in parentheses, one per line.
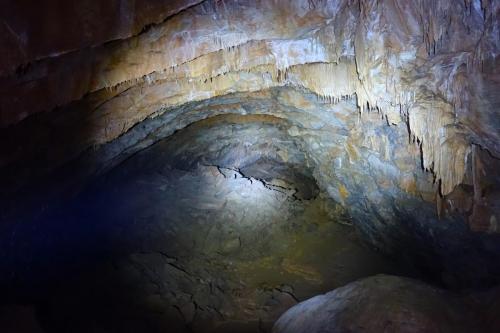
(203, 165)
(164, 243)
(287, 136)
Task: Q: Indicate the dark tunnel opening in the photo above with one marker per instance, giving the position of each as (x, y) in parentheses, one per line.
(209, 228)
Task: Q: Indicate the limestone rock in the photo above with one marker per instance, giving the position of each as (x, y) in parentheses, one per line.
(404, 59)
(378, 304)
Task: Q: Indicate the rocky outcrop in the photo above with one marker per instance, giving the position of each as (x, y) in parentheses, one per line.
(220, 227)
(383, 112)
(410, 61)
(364, 165)
(423, 75)
(384, 304)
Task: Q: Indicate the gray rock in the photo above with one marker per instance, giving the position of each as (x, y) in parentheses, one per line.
(378, 304)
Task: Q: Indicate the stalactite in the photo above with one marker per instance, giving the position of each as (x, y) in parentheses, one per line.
(326, 79)
(381, 52)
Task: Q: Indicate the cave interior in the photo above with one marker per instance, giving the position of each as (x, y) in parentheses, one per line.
(281, 166)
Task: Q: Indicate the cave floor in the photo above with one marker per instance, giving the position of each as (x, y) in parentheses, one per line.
(161, 249)
(209, 249)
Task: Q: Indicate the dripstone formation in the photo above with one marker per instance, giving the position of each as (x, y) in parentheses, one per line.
(207, 165)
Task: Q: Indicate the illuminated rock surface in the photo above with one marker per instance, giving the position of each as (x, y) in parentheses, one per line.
(126, 122)
(236, 236)
(431, 66)
(384, 304)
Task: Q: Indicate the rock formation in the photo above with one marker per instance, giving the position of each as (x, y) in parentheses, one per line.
(388, 108)
(384, 304)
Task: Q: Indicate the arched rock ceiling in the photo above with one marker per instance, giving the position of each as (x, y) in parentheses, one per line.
(372, 170)
(431, 66)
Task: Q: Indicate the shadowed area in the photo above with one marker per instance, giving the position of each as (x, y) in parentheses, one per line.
(249, 166)
(203, 230)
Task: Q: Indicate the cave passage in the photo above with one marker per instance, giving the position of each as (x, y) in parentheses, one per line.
(220, 227)
(220, 216)
(277, 166)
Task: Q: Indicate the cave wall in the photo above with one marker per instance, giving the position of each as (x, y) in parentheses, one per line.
(371, 170)
(404, 93)
(32, 31)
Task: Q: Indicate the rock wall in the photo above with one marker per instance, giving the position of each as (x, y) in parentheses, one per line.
(31, 31)
(367, 167)
(412, 59)
(423, 74)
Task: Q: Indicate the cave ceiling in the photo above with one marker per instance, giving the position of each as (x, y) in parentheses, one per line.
(431, 67)
(392, 104)
(169, 131)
